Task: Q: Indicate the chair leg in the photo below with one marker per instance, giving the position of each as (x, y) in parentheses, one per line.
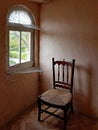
(39, 109)
(65, 119)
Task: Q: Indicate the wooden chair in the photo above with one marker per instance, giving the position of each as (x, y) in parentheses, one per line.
(61, 95)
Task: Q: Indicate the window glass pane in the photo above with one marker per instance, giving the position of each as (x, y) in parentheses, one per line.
(14, 45)
(20, 17)
(25, 46)
(20, 43)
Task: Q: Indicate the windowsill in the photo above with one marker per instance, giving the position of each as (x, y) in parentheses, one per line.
(28, 70)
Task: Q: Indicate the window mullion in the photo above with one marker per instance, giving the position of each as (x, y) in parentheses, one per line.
(20, 39)
(20, 48)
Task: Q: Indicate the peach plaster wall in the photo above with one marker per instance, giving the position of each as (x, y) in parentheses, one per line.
(69, 29)
(17, 91)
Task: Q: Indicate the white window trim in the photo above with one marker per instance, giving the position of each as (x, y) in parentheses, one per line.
(20, 27)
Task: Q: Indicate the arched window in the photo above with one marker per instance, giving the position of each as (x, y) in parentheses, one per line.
(20, 52)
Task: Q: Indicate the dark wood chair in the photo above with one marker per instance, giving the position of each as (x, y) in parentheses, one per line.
(61, 95)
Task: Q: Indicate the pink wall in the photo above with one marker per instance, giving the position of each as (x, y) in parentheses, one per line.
(70, 30)
(17, 91)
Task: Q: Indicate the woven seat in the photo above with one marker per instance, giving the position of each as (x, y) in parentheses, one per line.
(61, 95)
(57, 96)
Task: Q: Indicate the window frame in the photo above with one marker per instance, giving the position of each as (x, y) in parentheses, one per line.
(21, 28)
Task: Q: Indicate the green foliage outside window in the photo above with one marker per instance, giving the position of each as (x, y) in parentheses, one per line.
(16, 50)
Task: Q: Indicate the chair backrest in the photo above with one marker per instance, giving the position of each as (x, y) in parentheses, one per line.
(63, 74)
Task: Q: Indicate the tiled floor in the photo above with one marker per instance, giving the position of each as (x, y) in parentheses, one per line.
(28, 121)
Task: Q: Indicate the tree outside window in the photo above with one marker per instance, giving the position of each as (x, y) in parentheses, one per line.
(21, 39)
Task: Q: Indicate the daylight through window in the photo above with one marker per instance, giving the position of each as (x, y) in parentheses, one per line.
(20, 39)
